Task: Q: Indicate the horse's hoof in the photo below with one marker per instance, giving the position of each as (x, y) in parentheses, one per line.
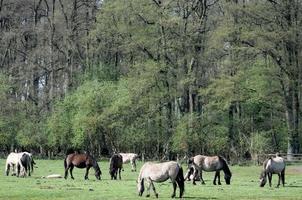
(194, 183)
(148, 195)
(203, 183)
(219, 183)
(156, 195)
(173, 195)
(214, 183)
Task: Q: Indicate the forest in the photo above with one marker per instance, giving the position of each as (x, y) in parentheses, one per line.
(159, 77)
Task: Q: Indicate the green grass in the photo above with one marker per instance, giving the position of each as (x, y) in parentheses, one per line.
(244, 185)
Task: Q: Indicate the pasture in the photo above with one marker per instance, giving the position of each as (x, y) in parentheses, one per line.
(244, 185)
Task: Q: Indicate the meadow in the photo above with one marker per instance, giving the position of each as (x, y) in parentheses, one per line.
(244, 185)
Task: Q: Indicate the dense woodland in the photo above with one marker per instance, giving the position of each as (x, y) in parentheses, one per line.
(159, 77)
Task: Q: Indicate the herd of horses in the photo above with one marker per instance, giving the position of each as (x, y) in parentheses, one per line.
(22, 164)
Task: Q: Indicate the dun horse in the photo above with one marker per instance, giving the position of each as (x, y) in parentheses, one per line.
(160, 172)
(210, 164)
(81, 161)
(273, 166)
(116, 165)
(130, 157)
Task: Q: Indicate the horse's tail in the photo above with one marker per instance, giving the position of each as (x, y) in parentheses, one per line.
(180, 181)
(65, 163)
(140, 182)
(225, 168)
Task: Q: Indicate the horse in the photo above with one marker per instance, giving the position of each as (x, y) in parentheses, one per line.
(273, 166)
(19, 162)
(27, 162)
(160, 172)
(209, 164)
(130, 157)
(116, 165)
(81, 161)
(12, 162)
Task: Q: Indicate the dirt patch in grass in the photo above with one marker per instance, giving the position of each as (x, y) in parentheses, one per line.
(294, 170)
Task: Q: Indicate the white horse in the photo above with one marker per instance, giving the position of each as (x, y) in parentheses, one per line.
(13, 161)
(19, 163)
(273, 166)
(160, 172)
(130, 157)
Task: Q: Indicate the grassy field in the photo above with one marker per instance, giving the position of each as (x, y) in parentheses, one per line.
(244, 185)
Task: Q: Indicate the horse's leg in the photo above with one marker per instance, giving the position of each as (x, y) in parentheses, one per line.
(70, 170)
(218, 176)
(148, 187)
(66, 171)
(214, 181)
(283, 177)
(18, 169)
(134, 165)
(201, 179)
(279, 177)
(28, 168)
(195, 172)
(153, 188)
(270, 178)
(86, 174)
(119, 171)
(174, 189)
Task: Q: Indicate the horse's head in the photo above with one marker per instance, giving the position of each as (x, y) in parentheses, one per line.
(227, 178)
(140, 187)
(98, 175)
(262, 178)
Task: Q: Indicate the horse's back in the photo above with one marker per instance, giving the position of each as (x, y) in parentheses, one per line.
(127, 157)
(160, 172)
(208, 163)
(116, 161)
(78, 160)
(275, 165)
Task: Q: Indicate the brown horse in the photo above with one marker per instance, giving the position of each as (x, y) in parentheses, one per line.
(81, 161)
(210, 164)
(116, 165)
(273, 166)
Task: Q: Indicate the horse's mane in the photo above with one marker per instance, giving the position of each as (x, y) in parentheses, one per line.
(226, 168)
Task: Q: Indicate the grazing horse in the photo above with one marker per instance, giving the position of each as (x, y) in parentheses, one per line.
(130, 157)
(19, 162)
(28, 162)
(209, 164)
(81, 161)
(160, 172)
(273, 166)
(116, 165)
(13, 161)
